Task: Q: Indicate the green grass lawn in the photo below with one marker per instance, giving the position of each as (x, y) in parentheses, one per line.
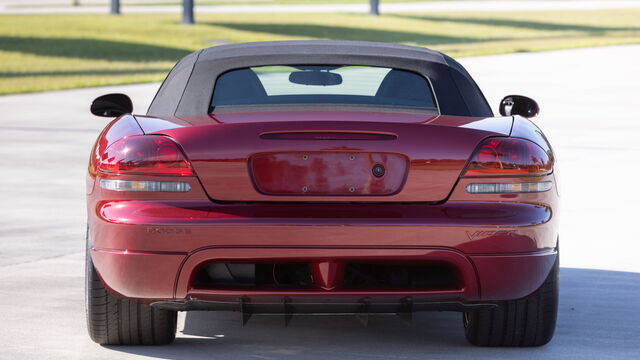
(50, 52)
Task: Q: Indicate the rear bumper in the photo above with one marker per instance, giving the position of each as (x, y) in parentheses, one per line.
(150, 250)
(155, 277)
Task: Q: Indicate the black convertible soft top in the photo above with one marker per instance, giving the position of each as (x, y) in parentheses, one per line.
(188, 88)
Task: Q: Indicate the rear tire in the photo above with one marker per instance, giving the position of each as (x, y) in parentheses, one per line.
(114, 321)
(529, 321)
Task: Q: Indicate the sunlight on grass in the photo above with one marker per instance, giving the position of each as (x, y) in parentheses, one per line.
(44, 52)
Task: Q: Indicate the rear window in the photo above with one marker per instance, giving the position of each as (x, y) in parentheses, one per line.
(323, 84)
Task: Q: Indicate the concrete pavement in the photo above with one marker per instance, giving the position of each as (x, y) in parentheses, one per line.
(46, 139)
(588, 99)
(431, 6)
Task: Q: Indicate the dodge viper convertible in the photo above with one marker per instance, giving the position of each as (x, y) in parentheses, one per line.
(321, 177)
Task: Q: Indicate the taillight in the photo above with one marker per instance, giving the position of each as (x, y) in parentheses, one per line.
(145, 154)
(509, 156)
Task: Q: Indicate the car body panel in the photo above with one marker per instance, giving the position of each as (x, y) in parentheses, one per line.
(153, 124)
(247, 202)
(484, 278)
(183, 235)
(220, 154)
(120, 127)
(220, 151)
(499, 235)
(509, 242)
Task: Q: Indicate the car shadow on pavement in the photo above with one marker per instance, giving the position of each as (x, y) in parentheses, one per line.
(599, 318)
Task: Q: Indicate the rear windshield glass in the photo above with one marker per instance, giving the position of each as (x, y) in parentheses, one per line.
(322, 84)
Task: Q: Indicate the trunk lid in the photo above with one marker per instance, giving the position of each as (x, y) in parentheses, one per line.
(409, 159)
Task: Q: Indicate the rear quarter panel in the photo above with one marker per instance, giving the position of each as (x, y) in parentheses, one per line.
(125, 125)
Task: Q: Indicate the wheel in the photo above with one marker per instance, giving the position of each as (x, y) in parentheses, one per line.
(114, 321)
(529, 321)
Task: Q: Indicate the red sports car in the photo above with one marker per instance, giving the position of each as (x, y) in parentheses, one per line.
(311, 177)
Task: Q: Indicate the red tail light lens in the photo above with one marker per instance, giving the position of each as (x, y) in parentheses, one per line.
(146, 154)
(507, 156)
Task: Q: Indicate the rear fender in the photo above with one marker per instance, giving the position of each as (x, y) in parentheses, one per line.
(125, 125)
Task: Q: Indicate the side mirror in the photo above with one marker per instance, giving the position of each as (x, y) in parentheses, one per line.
(111, 105)
(519, 105)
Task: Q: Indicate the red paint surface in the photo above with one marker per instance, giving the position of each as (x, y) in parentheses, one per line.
(327, 274)
(148, 245)
(436, 154)
(138, 274)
